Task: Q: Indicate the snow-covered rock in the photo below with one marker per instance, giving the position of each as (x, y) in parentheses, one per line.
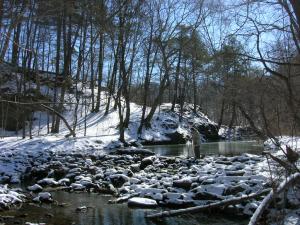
(77, 187)
(64, 181)
(35, 188)
(29, 223)
(141, 202)
(43, 197)
(48, 182)
(9, 198)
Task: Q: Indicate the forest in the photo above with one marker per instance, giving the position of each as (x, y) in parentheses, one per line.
(180, 106)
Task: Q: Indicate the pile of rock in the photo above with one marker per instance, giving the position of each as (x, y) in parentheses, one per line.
(154, 180)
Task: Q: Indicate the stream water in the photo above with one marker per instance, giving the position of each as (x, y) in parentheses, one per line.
(209, 148)
(99, 212)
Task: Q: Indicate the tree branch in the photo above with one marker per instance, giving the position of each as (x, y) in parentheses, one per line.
(220, 204)
(264, 204)
(72, 132)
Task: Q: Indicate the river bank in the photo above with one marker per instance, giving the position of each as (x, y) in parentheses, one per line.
(133, 177)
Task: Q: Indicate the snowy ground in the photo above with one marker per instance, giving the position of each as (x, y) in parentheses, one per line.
(105, 127)
(97, 125)
(293, 142)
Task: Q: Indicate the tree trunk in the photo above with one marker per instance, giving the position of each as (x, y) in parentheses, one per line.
(111, 86)
(57, 72)
(176, 80)
(92, 86)
(100, 72)
(233, 115)
(221, 114)
(15, 20)
(194, 90)
(163, 85)
(67, 39)
(16, 45)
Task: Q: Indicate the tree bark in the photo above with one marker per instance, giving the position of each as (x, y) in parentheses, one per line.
(176, 80)
(100, 72)
(57, 72)
(15, 51)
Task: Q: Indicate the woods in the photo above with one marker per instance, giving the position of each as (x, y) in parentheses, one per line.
(117, 74)
(140, 52)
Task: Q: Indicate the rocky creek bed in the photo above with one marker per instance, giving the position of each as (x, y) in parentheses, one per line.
(147, 181)
(138, 178)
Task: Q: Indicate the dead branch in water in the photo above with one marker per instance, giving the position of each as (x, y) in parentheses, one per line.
(264, 204)
(223, 203)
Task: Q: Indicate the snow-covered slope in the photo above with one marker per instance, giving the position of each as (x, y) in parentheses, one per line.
(166, 125)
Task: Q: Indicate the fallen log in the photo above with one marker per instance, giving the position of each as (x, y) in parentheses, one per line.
(223, 203)
(265, 203)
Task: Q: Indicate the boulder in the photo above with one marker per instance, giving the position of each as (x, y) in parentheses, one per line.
(60, 172)
(204, 195)
(64, 181)
(142, 202)
(48, 182)
(45, 197)
(135, 168)
(35, 188)
(172, 139)
(77, 187)
(39, 172)
(176, 138)
(208, 131)
(146, 162)
(118, 179)
(233, 190)
(184, 183)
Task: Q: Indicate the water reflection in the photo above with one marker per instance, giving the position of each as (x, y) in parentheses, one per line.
(101, 213)
(210, 148)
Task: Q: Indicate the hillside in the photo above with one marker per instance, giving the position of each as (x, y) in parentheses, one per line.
(166, 125)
